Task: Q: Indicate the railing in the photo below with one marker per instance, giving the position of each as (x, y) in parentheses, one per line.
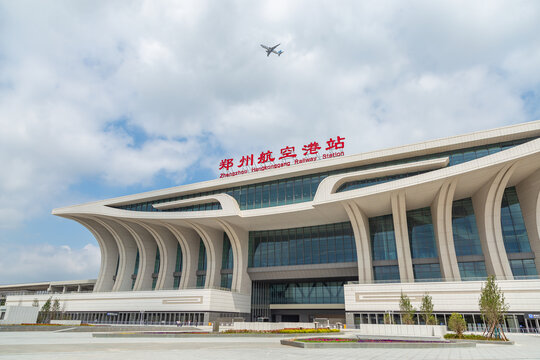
(41, 292)
(144, 323)
(516, 278)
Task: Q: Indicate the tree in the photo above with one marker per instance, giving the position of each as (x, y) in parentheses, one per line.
(407, 310)
(457, 324)
(492, 307)
(388, 318)
(427, 310)
(45, 312)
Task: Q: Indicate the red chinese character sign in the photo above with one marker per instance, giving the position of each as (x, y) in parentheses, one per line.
(266, 161)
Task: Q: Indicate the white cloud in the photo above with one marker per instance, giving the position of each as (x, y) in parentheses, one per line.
(190, 76)
(49, 263)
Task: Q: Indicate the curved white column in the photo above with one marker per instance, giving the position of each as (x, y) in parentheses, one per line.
(147, 254)
(360, 225)
(189, 242)
(239, 239)
(127, 249)
(109, 253)
(213, 241)
(441, 210)
(167, 250)
(487, 208)
(399, 214)
(529, 200)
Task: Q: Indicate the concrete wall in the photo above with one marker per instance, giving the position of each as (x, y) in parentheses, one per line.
(195, 300)
(522, 295)
(19, 315)
(402, 330)
(271, 326)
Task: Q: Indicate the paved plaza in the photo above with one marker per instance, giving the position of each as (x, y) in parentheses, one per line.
(72, 345)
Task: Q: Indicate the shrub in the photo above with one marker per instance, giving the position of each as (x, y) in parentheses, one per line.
(470, 337)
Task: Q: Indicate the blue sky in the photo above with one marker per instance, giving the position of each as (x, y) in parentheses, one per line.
(103, 99)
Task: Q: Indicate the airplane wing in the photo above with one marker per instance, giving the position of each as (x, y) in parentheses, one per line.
(275, 46)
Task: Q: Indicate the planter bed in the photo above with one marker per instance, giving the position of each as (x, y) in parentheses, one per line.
(322, 342)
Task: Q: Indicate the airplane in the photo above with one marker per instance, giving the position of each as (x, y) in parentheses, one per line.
(272, 50)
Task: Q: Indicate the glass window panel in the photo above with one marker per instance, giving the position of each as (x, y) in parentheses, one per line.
(383, 242)
(340, 248)
(307, 246)
(306, 188)
(298, 190)
(386, 273)
(265, 195)
(421, 234)
(243, 197)
(292, 247)
(331, 243)
(289, 191)
(273, 193)
(466, 238)
(299, 246)
(514, 232)
(258, 196)
(250, 197)
(281, 192)
(427, 272)
(264, 248)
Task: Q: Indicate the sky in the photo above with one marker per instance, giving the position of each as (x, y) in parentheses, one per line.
(100, 99)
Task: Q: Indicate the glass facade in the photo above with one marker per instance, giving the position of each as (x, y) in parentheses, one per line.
(135, 270)
(201, 278)
(466, 238)
(515, 235)
(472, 270)
(351, 185)
(331, 243)
(421, 234)
(388, 273)
(227, 262)
(156, 269)
(318, 292)
(226, 281)
(513, 227)
(524, 269)
(383, 241)
(427, 272)
(227, 254)
(303, 188)
(383, 247)
(178, 266)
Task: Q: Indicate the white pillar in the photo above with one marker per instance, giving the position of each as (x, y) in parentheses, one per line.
(487, 208)
(239, 239)
(213, 241)
(360, 225)
(147, 254)
(189, 243)
(441, 210)
(167, 255)
(127, 250)
(399, 214)
(529, 200)
(109, 253)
